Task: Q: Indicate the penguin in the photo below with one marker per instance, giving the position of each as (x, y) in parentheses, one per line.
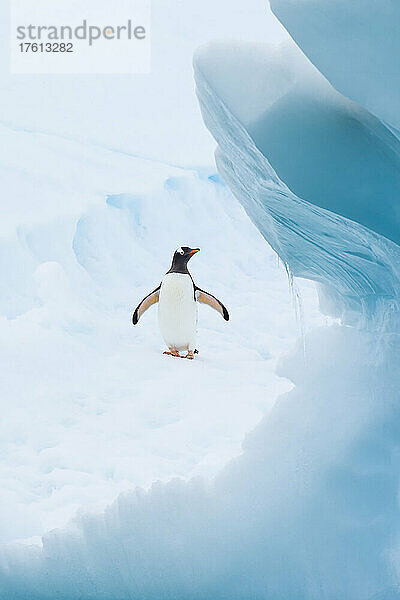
(177, 295)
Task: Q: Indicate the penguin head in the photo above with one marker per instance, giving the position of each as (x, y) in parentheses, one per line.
(181, 257)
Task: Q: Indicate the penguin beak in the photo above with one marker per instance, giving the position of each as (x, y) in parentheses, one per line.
(194, 251)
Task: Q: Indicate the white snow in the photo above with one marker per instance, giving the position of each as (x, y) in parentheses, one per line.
(90, 407)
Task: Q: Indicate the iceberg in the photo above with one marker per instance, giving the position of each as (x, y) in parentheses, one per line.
(354, 44)
(309, 510)
(317, 174)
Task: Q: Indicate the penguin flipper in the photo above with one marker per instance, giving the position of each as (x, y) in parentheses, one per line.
(206, 298)
(147, 301)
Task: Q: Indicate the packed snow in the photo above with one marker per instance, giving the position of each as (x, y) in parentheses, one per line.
(90, 406)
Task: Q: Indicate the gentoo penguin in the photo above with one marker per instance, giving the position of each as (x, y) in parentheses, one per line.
(177, 309)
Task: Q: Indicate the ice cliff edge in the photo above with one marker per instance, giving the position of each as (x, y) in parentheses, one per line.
(318, 174)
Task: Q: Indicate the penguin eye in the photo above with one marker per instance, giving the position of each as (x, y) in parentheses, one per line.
(180, 250)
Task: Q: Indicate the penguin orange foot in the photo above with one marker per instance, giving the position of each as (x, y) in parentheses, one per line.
(172, 353)
(190, 355)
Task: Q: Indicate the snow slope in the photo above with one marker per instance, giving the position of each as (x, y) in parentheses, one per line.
(90, 406)
(308, 511)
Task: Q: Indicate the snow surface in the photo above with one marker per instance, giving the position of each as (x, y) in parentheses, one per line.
(309, 511)
(90, 406)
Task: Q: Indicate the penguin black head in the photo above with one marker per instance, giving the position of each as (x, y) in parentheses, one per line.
(181, 257)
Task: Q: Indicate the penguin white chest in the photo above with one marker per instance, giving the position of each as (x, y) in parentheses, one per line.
(177, 311)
